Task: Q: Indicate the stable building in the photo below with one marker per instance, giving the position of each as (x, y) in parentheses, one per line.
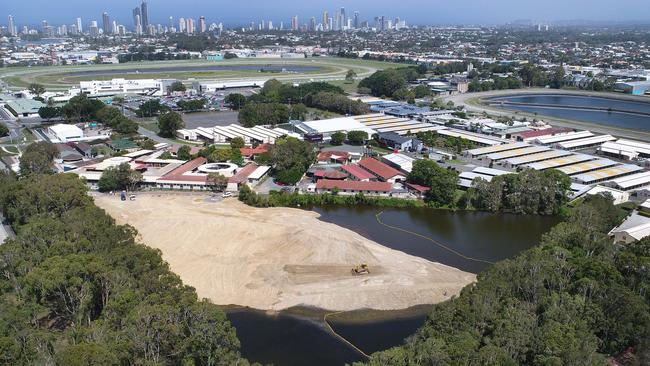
(383, 171)
(353, 187)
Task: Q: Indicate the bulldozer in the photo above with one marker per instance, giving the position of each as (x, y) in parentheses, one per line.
(361, 269)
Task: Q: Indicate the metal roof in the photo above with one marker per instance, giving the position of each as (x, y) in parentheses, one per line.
(608, 173)
(565, 137)
(587, 166)
(517, 152)
(631, 181)
(497, 148)
(586, 142)
(547, 155)
(560, 162)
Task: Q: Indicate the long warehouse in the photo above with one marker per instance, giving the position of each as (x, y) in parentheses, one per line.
(497, 148)
(548, 140)
(547, 155)
(560, 162)
(585, 143)
(630, 182)
(606, 174)
(587, 166)
(517, 152)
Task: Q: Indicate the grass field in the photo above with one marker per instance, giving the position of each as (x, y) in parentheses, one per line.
(63, 77)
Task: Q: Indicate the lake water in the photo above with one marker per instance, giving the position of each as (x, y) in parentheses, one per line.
(633, 118)
(284, 339)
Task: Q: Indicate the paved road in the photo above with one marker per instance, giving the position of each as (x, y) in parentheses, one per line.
(152, 135)
(469, 100)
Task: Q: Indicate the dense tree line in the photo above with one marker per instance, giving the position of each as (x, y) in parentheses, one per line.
(191, 105)
(386, 83)
(573, 300)
(81, 108)
(290, 159)
(529, 192)
(497, 83)
(337, 103)
(277, 102)
(113, 118)
(77, 289)
(442, 182)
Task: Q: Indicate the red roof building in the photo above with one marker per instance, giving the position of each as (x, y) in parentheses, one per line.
(333, 157)
(358, 173)
(251, 153)
(384, 172)
(351, 186)
(242, 175)
(331, 174)
(181, 174)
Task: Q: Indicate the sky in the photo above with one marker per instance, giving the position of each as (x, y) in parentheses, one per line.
(238, 12)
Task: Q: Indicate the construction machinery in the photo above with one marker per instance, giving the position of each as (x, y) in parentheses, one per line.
(361, 269)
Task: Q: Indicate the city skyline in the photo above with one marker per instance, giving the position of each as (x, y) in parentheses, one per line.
(241, 14)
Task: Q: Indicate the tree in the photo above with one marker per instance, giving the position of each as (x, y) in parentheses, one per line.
(337, 138)
(169, 123)
(119, 178)
(237, 142)
(48, 112)
(81, 108)
(291, 158)
(36, 89)
(235, 100)
(557, 77)
(217, 181)
(443, 185)
(4, 130)
(191, 105)
(73, 267)
(229, 55)
(421, 91)
(183, 153)
(357, 137)
(177, 86)
(253, 114)
(38, 158)
(422, 171)
(350, 76)
(151, 108)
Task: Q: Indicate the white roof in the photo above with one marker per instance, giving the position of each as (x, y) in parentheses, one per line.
(473, 175)
(517, 152)
(545, 140)
(259, 172)
(606, 173)
(586, 142)
(403, 161)
(337, 124)
(66, 130)
(497, 148)
(634, 180)
(490, 171)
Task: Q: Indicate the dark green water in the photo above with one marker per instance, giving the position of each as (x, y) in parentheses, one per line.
(284, 339)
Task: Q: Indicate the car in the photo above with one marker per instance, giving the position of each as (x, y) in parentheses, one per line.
(226, 194)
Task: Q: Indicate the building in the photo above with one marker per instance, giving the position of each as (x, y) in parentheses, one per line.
(24, 107)
(64, 133)
(357, 173)
(634, 228)
(403, 163)
(633, 87)
(150, 87)
(384, 172)
(349, 187)
(398, 142)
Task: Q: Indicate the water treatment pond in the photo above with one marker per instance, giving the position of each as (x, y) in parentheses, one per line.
(285, 339)
(626, 113)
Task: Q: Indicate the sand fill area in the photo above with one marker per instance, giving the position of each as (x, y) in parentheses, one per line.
(276, 258)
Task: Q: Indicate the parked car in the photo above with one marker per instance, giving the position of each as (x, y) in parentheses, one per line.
(226, 194)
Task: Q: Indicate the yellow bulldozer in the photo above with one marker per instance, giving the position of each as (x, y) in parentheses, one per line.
(361, 269)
